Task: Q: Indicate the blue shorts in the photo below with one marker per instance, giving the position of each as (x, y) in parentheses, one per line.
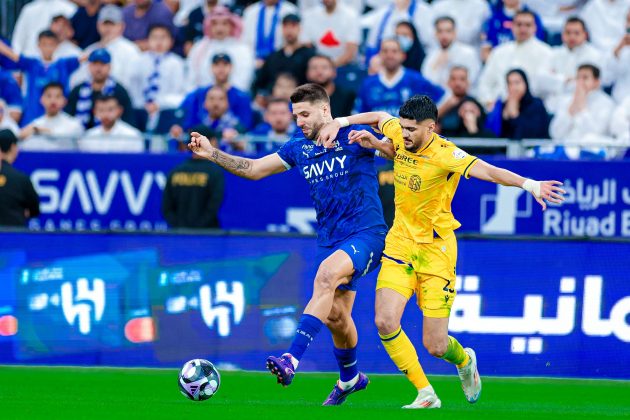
(364, 249)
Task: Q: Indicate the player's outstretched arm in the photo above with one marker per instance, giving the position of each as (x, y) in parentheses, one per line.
(365, 139)
(541, 190)
(328, 133)
(245, 168)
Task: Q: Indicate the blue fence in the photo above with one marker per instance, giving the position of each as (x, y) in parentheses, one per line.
(100, 192)
(528, 307)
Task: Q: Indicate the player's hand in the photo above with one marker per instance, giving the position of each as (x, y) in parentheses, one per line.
(200, 145)
(328, 134)
(550, 191)
(363, 138)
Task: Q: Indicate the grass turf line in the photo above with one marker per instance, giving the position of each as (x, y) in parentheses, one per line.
(71, 392)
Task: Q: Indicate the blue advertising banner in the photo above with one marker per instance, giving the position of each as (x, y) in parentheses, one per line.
(528, 307)
(102, 192)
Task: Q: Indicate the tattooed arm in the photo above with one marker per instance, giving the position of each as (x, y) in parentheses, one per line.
(245, 168)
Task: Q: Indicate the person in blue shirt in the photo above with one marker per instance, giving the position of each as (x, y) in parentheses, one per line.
(350, 229)
(40, 72)
(278, 127)
(191, 112)
(11, 95)
(394, 84)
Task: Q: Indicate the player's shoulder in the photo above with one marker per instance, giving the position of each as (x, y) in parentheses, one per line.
(442, 148)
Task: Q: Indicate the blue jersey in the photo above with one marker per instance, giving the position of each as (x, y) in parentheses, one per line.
(10, 91)
(376, 96)
(498, 28)
(39, 75)
(193, 110)
(342, 183)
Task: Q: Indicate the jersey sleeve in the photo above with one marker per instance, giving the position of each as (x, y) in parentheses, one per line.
(391, 129)
(453, 159)
(287, 154)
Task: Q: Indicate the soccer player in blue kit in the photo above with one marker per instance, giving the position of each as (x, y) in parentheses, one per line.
(350, 230)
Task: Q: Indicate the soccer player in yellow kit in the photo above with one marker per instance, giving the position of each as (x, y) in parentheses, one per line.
(421, 249)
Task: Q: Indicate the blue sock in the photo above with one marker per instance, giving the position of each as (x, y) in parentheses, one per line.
(307, 329)
(347, 361)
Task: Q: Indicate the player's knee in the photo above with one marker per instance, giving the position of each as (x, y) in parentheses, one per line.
(325, 280)
(386, 323)
(435, 347)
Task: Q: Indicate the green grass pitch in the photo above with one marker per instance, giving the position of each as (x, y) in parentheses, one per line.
(69, 393)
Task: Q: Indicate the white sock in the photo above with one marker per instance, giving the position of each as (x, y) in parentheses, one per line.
(427, 388)
(347, 385)
(295, 362)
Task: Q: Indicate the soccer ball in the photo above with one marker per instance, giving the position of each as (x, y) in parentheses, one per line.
(199, 380)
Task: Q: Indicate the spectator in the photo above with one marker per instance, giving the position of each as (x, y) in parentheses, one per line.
(193, 31)
(193, 193)
(263, 34)
(394, 84)
(18, 199)
(220, 120)
(328, 29)
(141, 15)
(620, 127)
(605, 21)
(449, 53)
(124, 53)
(40, 72)
(455, 121)
(11, 95)
(34, 18)
(618, 65)
(498, 28)
(222, 30)
(381, 23)
(525, 52)
(584, 116)
(55, 130)
(554, 13)
(469, 17)
(159, 85)
(61, 27)
(520, 115)
(575, 50)
(277, 128)
(84, 23)
(284, 86)
(410, 43)
(292, 57)
(101, 83)
(113, 135)
(321, 70)
(192, 110)
(5, 119)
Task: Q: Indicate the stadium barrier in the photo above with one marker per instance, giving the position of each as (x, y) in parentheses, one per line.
(124, 192)
(535, 307)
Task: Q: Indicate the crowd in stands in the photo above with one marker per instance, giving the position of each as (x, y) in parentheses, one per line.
(110, 76)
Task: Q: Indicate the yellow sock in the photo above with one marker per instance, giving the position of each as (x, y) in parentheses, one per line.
(404, 355)
(455, 353)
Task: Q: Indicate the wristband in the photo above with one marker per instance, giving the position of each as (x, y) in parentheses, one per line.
(532, 186)
(343, 121)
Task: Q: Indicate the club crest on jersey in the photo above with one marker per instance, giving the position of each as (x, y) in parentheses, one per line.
(414, 183)
(459, 154)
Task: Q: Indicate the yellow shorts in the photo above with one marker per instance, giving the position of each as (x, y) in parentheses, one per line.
(428, 270)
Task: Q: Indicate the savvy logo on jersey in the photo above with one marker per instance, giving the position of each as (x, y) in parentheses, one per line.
(326, 169)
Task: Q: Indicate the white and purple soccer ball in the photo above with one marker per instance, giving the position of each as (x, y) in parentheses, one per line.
(199, 380)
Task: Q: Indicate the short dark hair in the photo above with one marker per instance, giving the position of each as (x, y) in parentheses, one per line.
(106, 98)
(286, 75)
(575, 19)
(309, 92)
(593, 69)
(47, 34)
(444, 19)
(323, 57)
(155, 26)
(53, 85)
(419, 108)
(525, 12)
(272, 101)
(7, 139)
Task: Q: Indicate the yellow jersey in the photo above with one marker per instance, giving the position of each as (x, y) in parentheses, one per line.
(425, 183)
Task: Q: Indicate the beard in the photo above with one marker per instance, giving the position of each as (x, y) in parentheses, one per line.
(314, 130)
